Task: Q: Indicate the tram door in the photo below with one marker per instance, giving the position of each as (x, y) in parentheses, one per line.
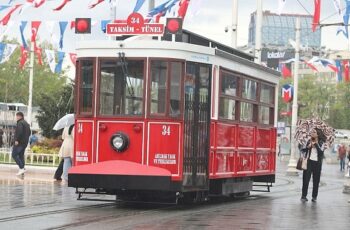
(196, 125)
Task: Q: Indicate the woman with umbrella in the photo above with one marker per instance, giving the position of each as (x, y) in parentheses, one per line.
(67, 147)
(315, 153)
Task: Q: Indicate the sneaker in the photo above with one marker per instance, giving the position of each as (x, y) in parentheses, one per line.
(314, 199)
(304, 199)
(21, 172)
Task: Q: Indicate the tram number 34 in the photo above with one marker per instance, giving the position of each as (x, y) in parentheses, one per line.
(166, 130)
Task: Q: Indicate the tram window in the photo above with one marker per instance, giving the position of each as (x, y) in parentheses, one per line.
(266, 94)
(227, 109)
(247, 112)
(86, 86)
(159, 87)
(264, 115)
(228, 84)
(121, 87)
(175, 89)
(249, 89)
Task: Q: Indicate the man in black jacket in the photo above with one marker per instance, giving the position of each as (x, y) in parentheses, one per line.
(21, 139)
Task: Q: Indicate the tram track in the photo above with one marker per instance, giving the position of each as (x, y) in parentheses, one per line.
(126, 212)
(40, 214)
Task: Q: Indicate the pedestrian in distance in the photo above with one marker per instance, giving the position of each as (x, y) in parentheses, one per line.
(315, 153)
(67, 149)
(21, 139)
(1, 138)
(342, 156)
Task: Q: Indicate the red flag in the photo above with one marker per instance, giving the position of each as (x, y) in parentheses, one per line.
(333, 67)
(72, 25)
(183, 8)
(317, 14)
(35, 28)
(73, 58)
(62, 5)
(7, 17)
(285, 71)
(346, 70)
(36, 3)
(311, 66)
(37, 51)
(95, 4)
(24, 56)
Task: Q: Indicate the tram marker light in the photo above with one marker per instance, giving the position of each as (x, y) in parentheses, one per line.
(173, 26)
(83, 25)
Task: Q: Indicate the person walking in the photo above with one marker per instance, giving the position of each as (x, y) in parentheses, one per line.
(21, 139)
(315, 154)
(342, 156)
(67, 149)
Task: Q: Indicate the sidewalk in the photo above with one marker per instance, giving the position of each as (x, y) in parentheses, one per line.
(33, 172)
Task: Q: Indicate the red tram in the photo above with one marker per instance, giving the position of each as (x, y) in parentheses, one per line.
(157, 118)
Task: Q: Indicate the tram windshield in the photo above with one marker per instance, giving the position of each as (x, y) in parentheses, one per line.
(121, 87)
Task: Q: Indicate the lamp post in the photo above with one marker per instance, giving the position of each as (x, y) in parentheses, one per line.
(292, 171)
(31, 74)
(234, 24)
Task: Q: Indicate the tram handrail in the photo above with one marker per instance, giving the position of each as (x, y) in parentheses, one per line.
(38, 159)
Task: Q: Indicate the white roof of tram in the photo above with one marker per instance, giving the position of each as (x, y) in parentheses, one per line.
(146, 47)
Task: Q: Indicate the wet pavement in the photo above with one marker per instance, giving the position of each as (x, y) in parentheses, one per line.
(37, 202)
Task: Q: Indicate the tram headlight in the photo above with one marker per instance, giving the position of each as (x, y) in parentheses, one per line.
(119, 142)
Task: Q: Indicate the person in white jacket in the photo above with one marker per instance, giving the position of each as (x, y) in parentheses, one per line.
(67, 149)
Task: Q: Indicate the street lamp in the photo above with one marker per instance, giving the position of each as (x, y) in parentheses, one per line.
(292, 171)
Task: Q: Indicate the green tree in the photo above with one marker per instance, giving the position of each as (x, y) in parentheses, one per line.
(52, 107)
(340, 107)
(14, 82)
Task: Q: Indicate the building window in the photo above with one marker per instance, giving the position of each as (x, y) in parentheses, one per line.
(86, 86)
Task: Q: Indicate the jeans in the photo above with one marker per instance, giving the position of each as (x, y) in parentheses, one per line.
(18, 155)
(314, 168)
(342, 164)
(67, 164)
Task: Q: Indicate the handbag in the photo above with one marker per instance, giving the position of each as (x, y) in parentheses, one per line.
(302, 163)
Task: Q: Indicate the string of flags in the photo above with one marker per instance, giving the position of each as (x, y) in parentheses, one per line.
(54, 58)
(339, 67)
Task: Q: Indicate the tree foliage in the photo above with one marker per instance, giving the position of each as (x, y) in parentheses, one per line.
(52, 107)
(14, 82)
(320, 96)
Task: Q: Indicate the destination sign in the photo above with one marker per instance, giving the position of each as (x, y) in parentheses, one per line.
(135, 25)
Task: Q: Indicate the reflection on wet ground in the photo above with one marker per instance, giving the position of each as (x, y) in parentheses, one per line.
(38, 202)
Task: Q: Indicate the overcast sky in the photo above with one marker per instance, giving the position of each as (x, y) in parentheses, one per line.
(210, 19)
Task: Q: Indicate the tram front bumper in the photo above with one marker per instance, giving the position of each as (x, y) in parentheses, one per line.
(120, 175)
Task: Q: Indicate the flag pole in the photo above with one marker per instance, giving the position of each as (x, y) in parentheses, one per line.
(151, 5)
(292, 171)
(31, 74)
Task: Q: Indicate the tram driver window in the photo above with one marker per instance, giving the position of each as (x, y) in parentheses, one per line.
(121, 87)
(159, 87)
(86, 86)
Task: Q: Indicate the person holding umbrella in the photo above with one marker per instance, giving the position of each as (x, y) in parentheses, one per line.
(67, 147)
(315, 153)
